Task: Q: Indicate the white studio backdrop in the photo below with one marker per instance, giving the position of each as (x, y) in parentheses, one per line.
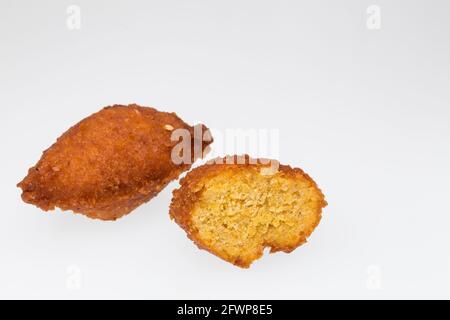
(358, 92)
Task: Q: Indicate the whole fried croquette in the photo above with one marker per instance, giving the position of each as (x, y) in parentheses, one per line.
(236, 210)
(109, 163)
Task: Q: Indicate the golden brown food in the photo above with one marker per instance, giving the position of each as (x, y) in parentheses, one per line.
(236, 210)
(109, 163)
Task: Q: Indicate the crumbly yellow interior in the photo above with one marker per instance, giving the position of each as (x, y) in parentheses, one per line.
(240, 213)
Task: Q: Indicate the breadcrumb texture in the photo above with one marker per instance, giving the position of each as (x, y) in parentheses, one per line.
(236, 210)
(108, 164)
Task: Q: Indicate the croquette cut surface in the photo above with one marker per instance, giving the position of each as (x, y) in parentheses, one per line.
(236, 210)
(108, 164)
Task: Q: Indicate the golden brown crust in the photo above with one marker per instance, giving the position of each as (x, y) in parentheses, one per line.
(108, 164)
(191, 188)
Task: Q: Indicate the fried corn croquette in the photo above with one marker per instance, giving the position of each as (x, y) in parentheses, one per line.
(109, 163)
(236, 210)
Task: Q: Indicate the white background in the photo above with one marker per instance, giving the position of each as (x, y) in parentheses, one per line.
(364, 112)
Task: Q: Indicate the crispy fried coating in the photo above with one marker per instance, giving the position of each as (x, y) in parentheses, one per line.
(236, 210)
(109, 163)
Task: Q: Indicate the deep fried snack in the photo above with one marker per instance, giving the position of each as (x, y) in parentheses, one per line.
(236, 210)
(109, 163)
